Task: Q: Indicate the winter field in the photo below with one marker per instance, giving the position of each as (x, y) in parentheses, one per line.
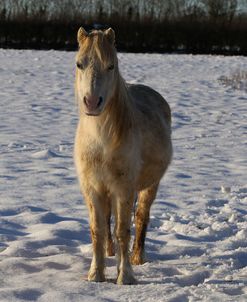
(196, 245)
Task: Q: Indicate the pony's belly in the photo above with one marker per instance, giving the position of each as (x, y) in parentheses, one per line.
(156, 157)
(150, 175)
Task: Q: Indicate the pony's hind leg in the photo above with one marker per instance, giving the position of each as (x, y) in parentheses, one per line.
(145, 200)
(110, 251)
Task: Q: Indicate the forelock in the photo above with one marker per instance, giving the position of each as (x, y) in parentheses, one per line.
(96, 44)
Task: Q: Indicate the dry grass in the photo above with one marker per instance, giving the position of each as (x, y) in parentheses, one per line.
(238, 80)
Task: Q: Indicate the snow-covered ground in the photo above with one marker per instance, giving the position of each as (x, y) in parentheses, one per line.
(197, 240)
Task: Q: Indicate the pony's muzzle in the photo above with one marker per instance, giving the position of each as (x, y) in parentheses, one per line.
(92, 104)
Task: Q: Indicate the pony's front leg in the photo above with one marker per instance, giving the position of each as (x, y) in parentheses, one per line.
(123, 220)
(96, 205)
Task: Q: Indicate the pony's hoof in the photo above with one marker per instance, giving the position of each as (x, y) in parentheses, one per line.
(126, 279)
(96, 276)
(137, 259)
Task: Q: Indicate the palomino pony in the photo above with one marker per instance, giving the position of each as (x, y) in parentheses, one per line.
(122, 149)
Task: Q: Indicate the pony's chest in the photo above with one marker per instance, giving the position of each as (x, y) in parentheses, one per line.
(92, 155)
(104, 165)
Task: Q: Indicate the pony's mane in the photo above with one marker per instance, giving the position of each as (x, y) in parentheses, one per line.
(119, 114)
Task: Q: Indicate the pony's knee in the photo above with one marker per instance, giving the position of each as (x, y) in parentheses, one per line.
(97, 234)
(122, 235)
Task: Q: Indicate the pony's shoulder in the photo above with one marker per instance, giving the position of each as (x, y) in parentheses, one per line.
(148, 100)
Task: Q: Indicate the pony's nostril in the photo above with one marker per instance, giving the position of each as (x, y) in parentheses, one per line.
(100, 101)
(85, 100)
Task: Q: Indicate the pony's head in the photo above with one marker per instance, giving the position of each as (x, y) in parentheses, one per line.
(96, 69)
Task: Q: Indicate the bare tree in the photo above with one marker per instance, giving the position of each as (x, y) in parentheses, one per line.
(221, 9)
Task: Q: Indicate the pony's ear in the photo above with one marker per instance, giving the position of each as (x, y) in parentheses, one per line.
(81, 35)
(110, 34)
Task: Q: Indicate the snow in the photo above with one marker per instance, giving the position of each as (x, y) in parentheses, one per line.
(196, 243)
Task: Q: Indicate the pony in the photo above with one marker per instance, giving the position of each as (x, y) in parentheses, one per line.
(122, 149)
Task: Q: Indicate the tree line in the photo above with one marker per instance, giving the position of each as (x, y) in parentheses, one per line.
(187, 26)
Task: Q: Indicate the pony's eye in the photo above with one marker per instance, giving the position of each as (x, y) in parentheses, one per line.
(79, 65)
(111, 67)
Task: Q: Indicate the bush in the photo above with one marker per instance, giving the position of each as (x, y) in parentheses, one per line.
(209, 26)
(238, 80)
